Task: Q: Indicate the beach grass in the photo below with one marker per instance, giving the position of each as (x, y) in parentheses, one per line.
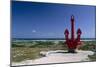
(30, 50)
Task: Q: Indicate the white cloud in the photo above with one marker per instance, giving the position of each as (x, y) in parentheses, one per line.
(34, 31)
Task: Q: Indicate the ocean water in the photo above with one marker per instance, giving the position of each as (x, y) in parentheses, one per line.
(49, 39)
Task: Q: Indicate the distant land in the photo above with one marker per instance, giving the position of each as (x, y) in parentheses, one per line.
(49, 38)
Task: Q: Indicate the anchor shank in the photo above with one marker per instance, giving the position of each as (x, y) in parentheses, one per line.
(72, 28)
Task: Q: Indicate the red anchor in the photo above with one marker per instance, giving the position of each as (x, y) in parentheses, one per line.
(72, 42)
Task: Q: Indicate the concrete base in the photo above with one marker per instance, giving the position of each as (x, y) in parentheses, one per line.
(71, 51)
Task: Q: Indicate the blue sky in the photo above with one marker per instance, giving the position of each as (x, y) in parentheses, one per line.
(45, 20)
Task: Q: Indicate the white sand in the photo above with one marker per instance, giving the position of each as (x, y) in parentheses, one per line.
(54, 57)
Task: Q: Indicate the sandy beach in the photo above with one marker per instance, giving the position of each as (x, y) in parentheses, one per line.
(55, 57)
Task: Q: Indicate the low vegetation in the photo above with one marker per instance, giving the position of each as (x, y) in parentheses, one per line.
(28, 50)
